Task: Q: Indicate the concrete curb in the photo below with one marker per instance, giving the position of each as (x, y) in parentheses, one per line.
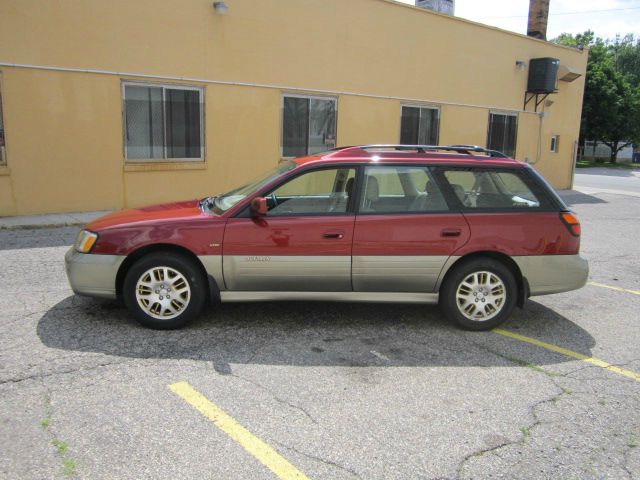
(49, 221)
(596, 191)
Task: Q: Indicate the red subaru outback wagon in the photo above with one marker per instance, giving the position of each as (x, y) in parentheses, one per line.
(464, 227)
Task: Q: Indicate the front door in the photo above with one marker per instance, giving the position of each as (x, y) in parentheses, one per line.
(404, 231)
(304, 241)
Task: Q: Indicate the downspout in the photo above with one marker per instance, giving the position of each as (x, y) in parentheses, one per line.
(541, 116)
(539, 151)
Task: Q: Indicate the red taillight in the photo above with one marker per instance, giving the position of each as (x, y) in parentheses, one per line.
(572, 223)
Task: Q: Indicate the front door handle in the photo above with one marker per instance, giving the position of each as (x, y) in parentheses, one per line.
(337, 235)
(451, 232)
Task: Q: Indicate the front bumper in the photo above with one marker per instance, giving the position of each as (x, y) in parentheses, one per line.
(553, 273)
(92, 275)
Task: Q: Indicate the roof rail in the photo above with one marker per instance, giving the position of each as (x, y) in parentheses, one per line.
(468, 149)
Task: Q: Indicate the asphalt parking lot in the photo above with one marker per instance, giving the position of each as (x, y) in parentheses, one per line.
(323, 391)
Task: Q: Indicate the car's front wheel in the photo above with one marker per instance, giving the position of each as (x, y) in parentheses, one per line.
(479, 294)
(164, 290)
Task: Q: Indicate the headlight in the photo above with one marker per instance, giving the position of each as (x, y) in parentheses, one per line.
(85, 241)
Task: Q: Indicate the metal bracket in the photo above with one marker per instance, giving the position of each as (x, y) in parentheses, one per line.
(528, 96)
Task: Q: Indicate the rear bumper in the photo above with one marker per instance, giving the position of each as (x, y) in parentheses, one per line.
(553, 273)
(92, 275)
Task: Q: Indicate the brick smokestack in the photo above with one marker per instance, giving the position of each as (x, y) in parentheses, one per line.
(538, 19)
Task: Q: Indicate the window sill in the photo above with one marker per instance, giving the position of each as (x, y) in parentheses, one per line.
(164, 166)
(4, 171)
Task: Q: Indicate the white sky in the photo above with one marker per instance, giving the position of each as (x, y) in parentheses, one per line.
(622, 17)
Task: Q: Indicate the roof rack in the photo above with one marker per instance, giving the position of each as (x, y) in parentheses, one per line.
(466, 149)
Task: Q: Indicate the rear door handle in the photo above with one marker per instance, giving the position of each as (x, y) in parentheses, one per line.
(337, 235)
(451, 232)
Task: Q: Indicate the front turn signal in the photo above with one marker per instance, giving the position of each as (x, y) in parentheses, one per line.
(85, 241)
(572, 223)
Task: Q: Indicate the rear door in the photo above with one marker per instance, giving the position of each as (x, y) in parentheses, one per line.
(404, 231)
(508, 210)
(304, 241)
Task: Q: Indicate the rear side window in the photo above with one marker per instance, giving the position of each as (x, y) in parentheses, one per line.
(400, 189)
(495, 189)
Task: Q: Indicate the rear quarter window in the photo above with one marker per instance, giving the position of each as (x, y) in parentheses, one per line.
(496, 189)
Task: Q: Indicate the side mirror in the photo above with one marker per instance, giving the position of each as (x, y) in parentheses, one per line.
(259, 207)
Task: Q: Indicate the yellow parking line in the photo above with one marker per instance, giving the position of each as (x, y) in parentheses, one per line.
(252, 444)
(569, 353)
(617, 289)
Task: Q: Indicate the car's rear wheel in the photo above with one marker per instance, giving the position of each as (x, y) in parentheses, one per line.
(479, 294)
(164, 290)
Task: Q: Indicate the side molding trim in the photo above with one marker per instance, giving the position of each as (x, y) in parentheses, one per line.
(373, 297)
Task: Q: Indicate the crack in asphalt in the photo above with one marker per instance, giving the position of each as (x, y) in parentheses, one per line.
(626, 454)
(276, 397)
(41, 376)
(319, 459)
(533, 409)
(590, 366)
(551, 376)
(625, 463)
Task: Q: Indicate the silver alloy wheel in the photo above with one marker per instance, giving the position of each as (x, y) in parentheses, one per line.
(481, 296)
(163, 292)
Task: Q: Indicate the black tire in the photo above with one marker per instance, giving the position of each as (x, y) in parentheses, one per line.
(193, 303)
(448, 293)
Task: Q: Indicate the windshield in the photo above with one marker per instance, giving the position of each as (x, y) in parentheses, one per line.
(224, 202)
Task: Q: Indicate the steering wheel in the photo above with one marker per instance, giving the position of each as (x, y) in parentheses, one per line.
(274, 198)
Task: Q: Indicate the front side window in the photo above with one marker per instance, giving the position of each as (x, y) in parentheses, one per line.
(163, 122)
(3, 155)
(327, 191)
(222, 203)
(503, 131)
(486, 189)
(308, 125)
(419, 125)
(400, 189)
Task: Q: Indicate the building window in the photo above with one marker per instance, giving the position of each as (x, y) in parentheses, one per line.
(503, 130)
(163, 122)
(419, 125)
(308, 125)
(3, 153)
(555, 143)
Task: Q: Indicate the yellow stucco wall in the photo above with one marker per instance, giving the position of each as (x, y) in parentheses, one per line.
(62, 134)
(363, 121)
(64, 128)
(463, 125)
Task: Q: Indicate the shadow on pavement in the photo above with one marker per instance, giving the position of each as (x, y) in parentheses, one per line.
(307, 334)
(572, 197)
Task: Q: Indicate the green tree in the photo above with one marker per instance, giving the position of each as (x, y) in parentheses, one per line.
(611, 108)
(626, 53)
(579, 40)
